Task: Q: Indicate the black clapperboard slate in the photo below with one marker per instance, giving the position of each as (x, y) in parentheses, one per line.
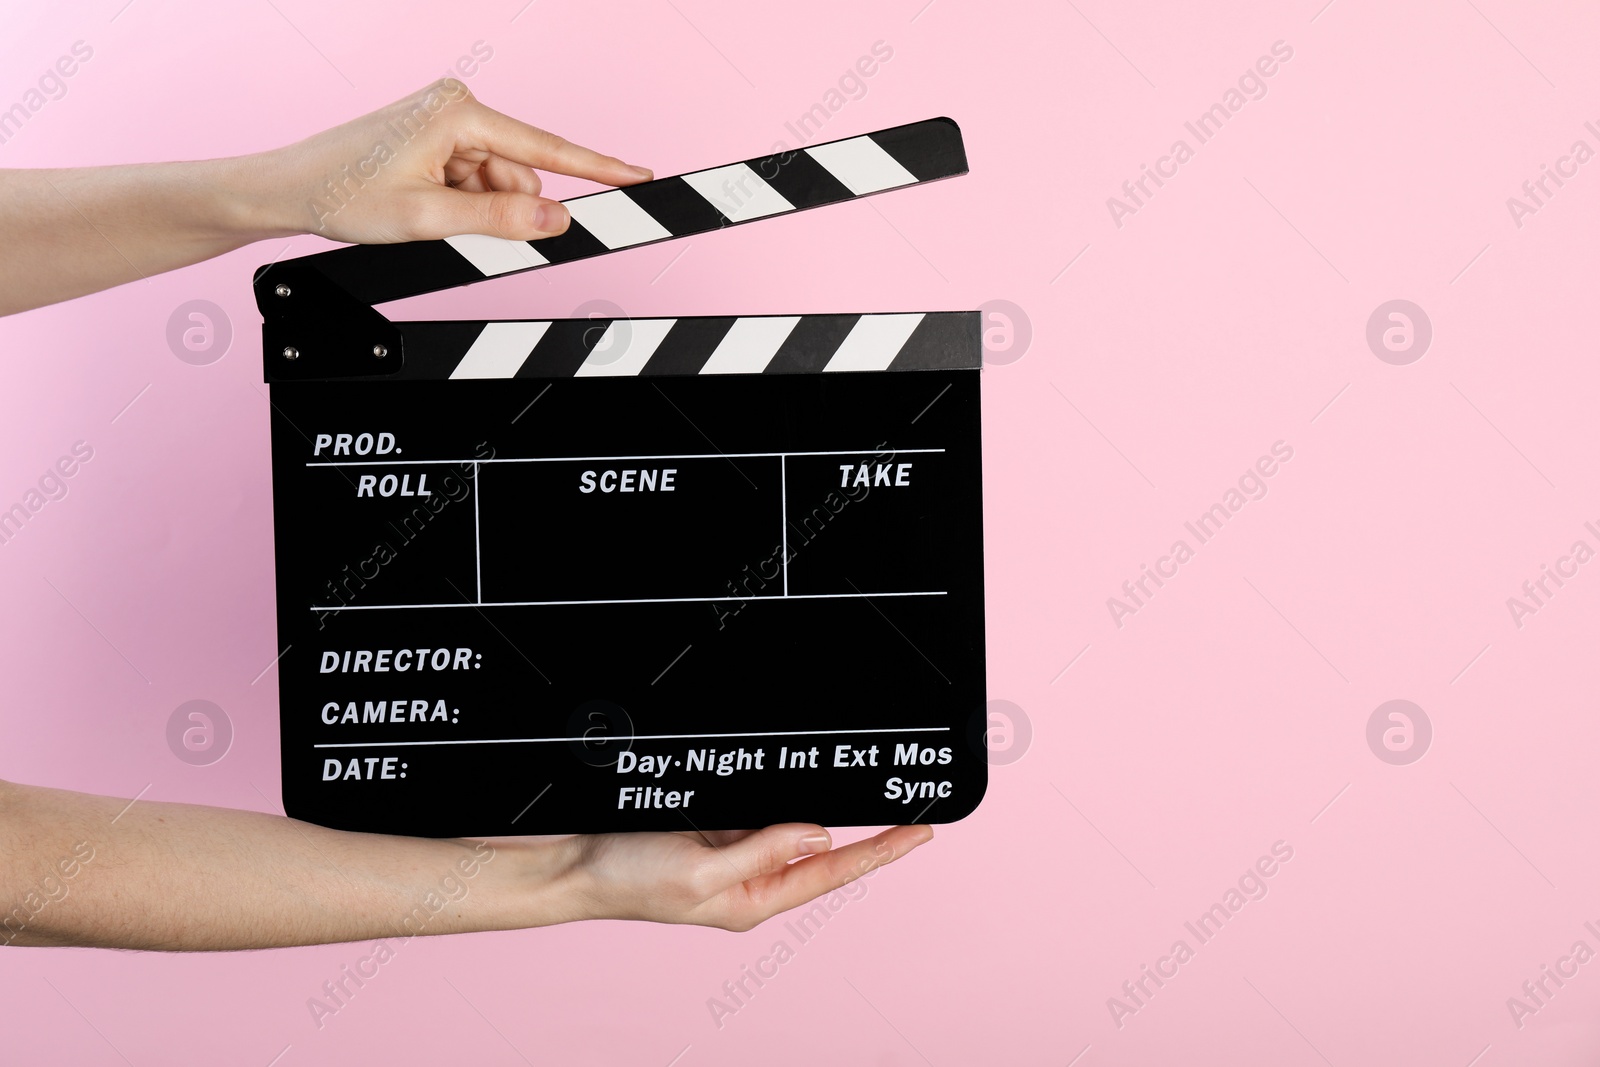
(590, 575)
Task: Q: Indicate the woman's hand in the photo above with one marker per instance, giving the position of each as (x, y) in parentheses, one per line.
(435, 164)
(107, 872)
(733, 879)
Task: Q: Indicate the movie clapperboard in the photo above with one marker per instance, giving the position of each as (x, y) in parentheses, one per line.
(589, 575)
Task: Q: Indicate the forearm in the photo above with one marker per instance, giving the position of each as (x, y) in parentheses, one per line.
(86, 870)
(69, 232)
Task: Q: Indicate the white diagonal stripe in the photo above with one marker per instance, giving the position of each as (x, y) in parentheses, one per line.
(750, 345)
(500, 350)
(738, 192)
(862, 165)
(616, 220)
(495, 255)
(873, 342)
(625, 347)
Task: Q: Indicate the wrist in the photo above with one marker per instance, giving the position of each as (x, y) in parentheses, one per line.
(257, 197)
(537, 882)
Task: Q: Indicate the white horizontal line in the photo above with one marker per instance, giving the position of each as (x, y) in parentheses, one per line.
(608, 459)
(632, 737)
(651, 600)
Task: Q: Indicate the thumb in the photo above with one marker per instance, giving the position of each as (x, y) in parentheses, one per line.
(505, 213)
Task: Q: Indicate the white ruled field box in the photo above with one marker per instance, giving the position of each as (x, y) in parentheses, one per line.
(638, 528)
(873, 522)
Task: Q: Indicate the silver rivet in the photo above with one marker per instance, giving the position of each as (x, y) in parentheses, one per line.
(282, 290)
(379, 351)
(291, 353)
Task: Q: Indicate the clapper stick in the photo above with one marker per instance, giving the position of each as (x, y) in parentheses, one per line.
(593, 575)
(344, 284)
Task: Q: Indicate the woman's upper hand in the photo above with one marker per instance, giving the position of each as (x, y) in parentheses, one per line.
(434, 164)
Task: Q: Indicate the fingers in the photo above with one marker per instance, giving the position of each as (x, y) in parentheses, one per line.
(788, 885)
(463, 172)
(502, 173)
(724, 838)
(516, 216)
(734, 881)
(533, 147)
(763, 852)
(491, 172)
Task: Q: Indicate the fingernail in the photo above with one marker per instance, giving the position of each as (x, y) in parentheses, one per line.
(811, 844)
(551, 218)
(644, 172)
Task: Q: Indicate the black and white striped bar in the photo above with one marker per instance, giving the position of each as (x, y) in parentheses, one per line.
(677, 206)
(691, 345)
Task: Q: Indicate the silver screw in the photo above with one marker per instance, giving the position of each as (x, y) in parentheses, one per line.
(291, 353)
(379, 351)
(282, 290)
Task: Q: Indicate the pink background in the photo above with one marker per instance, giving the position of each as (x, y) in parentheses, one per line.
(1223, 316)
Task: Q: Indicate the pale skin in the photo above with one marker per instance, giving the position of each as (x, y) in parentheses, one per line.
(185, 877)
